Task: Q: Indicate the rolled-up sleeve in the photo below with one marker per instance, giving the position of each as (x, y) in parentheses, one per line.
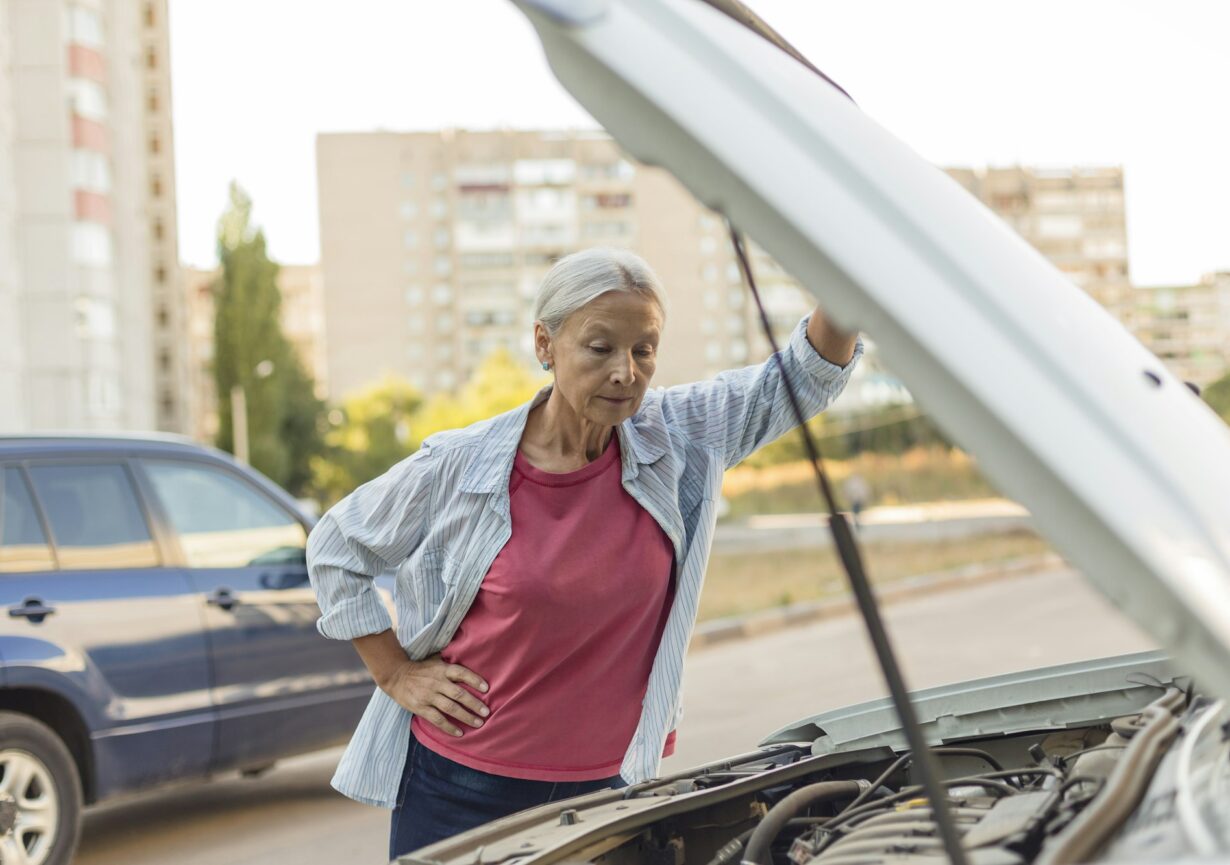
(376, 526)
(741, 410)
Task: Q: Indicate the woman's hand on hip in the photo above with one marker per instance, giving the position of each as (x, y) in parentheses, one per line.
(431, 688)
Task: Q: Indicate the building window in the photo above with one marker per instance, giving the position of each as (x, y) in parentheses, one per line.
(407, 180)
(414, 295)
(444, 322)
(442, 293)
(90, 170)
(408, 210)
(85, 27)
(409, 239)
(151, 57)
(91, 244)
(160, 275)
(442, 238)
(150, 18)
(443, 265)
(158, 230)
(164, 360)
(154, 144)
(155, 186)
(89, 99)
(439, 181)
(151, 101)
(439, 208)
(164, 317)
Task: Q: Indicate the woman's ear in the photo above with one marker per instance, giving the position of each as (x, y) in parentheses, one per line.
(542, 343)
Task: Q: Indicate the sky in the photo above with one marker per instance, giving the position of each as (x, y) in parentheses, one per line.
(1134, 83)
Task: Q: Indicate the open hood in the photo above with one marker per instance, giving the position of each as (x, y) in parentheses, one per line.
(1124, 470)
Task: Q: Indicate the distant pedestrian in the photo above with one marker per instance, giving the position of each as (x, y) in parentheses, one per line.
(549, 562)
(858, 492)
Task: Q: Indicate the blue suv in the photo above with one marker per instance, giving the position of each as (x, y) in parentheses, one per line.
(160, 627)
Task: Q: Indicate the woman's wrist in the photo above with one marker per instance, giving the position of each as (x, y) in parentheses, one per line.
(383, 656)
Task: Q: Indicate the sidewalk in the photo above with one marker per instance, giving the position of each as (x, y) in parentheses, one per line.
(924, 521)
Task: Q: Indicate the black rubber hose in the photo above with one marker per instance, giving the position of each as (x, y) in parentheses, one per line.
(766, 833)
(904, 759)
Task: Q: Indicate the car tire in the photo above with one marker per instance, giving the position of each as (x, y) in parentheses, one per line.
(35, 759)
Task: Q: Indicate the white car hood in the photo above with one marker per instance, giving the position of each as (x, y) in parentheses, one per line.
(1129, 478)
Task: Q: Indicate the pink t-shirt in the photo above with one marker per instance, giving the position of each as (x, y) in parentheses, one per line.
(564, 628)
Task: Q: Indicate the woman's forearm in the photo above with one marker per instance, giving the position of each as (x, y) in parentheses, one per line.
(835, 346)
(382, 654)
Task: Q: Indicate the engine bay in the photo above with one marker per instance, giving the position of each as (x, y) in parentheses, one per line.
(1132, 788)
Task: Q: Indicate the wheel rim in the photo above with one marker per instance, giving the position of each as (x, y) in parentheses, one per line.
(27, 780)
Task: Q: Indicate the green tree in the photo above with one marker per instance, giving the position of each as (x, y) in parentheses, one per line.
(1217, 395)
(373, 432)
(500, 383)
(285, 418)
(383, 424)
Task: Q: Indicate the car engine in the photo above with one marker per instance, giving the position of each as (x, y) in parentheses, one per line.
(1086, 795)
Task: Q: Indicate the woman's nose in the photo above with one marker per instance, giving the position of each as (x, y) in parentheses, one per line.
(624, 371)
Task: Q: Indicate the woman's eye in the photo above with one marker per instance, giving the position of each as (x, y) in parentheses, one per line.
(599, 349)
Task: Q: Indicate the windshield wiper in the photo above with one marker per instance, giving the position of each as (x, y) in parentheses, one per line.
(851, 560)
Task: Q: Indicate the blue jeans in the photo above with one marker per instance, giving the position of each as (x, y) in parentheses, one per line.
(438, 798)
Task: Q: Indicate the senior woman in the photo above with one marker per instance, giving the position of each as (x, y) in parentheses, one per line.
(549, 562)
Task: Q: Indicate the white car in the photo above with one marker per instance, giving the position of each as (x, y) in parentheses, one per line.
(1123, 469)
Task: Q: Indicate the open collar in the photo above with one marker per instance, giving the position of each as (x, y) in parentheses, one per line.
(643, 440)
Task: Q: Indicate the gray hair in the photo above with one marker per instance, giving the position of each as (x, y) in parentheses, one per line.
(578, 278)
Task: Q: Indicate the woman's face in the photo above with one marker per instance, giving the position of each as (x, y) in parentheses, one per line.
(604, 355)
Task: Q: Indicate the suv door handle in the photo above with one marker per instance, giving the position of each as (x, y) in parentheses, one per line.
(32, 609)
(222, 598)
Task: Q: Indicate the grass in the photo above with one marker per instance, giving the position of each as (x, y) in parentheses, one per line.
(739, 583)
(919, 475)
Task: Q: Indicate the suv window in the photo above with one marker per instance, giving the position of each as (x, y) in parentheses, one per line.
(23, 544)
(222, 521)
(95, 519)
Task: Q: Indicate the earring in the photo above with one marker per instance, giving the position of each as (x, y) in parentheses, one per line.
(546, 365)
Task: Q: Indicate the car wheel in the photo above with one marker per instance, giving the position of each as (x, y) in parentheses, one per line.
(40, 794)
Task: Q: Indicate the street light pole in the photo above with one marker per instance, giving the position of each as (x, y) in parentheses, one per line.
(239, 422)
(239, 412)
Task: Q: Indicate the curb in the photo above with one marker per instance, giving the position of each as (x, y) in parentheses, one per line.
(718, 631)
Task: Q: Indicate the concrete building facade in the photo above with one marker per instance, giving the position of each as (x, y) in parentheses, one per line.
(79, 197)
(1188, 327)
(433, 246)
(1076, 217)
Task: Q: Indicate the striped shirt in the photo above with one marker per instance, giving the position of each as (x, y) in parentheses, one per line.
(442, 515)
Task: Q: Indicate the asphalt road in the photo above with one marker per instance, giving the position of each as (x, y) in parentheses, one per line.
(733, 695)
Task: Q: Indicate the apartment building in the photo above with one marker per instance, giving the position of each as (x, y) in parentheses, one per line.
(1188, 326)
(88, 321)
(302, 318)
(433, 245)
(1076, 217)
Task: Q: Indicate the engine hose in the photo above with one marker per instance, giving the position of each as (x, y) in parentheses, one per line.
(1124, 788)
(730, 851)
(766, 832)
